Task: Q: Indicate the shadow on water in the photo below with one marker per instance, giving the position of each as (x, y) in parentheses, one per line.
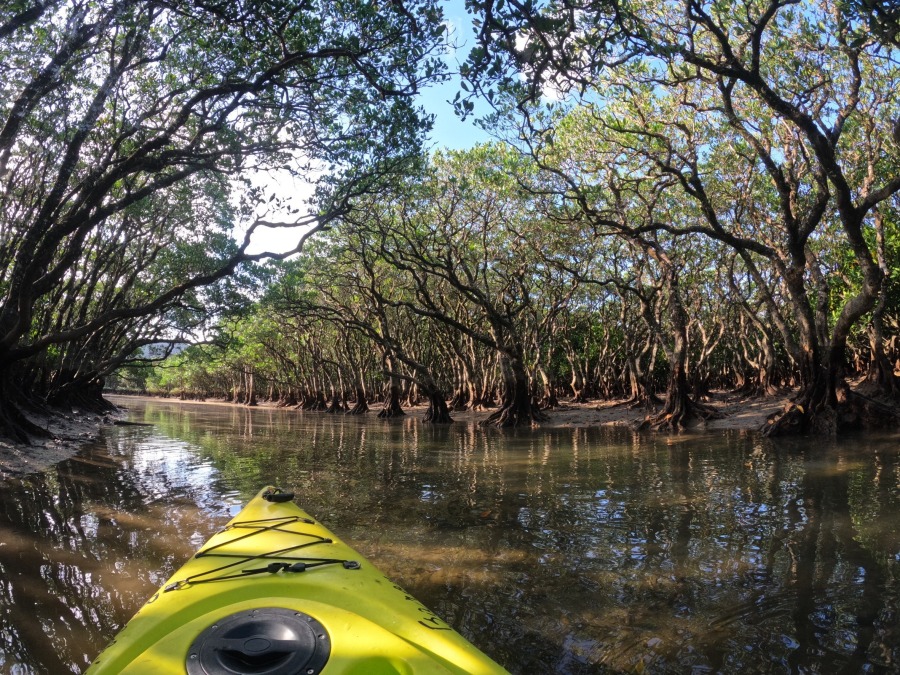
(565, 550)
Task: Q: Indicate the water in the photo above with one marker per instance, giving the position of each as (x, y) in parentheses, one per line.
(556, 551)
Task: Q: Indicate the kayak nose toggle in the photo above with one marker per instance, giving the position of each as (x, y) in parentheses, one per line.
(264, 641)
(276, 495)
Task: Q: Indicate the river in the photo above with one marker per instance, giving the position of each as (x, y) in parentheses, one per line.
(554, 551)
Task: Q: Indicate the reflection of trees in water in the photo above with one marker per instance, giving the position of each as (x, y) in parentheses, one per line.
(558, 551)
(730, 557)
(847, 593)
(664, 552)
(85, 545)
(54, 580)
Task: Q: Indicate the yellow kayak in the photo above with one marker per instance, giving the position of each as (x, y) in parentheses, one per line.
(276, 593)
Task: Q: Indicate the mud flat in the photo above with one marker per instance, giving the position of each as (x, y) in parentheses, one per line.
(67, 432)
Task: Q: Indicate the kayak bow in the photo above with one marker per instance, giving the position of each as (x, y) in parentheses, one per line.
(276, 593)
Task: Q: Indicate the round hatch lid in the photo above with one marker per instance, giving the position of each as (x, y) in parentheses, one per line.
(266, 641)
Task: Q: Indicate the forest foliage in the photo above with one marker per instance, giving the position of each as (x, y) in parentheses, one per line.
(683, 196)
(130, 131)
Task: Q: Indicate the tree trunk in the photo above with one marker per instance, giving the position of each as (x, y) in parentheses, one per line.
(763, 384)
(14, 425)
(478, 397)
(251, 388)
(287, 399)
(813, 409)
(461, 397)
(337, 406)
(360, 407)
(641, 394)
(438, 412)
(516, 407)
(679, 408)
(314, 402)
(816, 407)
(461, 392)
(391, 406)
(576, 384)
(548, 397)
(881, 372)
(412, 395)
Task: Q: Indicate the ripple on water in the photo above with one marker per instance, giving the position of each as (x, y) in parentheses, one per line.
(713, 554)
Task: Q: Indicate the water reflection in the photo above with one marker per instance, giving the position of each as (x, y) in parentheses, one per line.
(572, 551)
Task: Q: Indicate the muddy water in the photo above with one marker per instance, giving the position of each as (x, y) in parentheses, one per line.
(558, 551)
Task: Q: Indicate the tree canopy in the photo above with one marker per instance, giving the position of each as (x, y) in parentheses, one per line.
(128, 132)
(769, 126)
(683, 195)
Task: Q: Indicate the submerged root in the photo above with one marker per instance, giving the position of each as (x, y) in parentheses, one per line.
(854, 411)
(391, 409)
(679, 416)
(515, 416)
(337, 405)
(795, 418)
(359, 408)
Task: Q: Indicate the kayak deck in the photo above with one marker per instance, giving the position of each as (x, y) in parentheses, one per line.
(272, 578)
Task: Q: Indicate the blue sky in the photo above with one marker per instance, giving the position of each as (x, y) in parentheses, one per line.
(449, 131)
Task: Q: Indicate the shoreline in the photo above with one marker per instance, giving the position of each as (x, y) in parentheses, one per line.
(743, 414)
(69, 432)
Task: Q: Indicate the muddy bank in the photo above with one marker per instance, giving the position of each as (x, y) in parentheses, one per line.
(740, 413)
(744, 414)
(67, 433)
